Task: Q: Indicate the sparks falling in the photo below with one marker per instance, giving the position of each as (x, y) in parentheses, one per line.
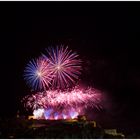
(64, 101)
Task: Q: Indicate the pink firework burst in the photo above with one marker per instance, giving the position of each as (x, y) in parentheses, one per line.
(63, 101)
(65, 65)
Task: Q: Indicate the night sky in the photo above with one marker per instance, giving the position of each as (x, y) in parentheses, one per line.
(106, 35)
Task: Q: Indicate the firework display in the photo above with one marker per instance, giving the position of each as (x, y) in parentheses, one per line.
(59, 68)
(56, 96)
(38, 74)
(67, 102)
(65, 66)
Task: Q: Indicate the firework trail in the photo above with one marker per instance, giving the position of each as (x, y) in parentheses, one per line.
(38, 74)
(65, 65)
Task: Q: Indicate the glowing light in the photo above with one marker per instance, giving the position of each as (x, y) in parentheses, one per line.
(73, 114)
(56, 116)
(39, 74)
(64, 116)
(58, 67)
(38, 113)
(47, 113)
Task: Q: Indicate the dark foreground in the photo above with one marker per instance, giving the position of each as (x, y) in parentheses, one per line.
(24, 128)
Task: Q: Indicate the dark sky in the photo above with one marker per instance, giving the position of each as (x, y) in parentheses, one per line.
(105, 34)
